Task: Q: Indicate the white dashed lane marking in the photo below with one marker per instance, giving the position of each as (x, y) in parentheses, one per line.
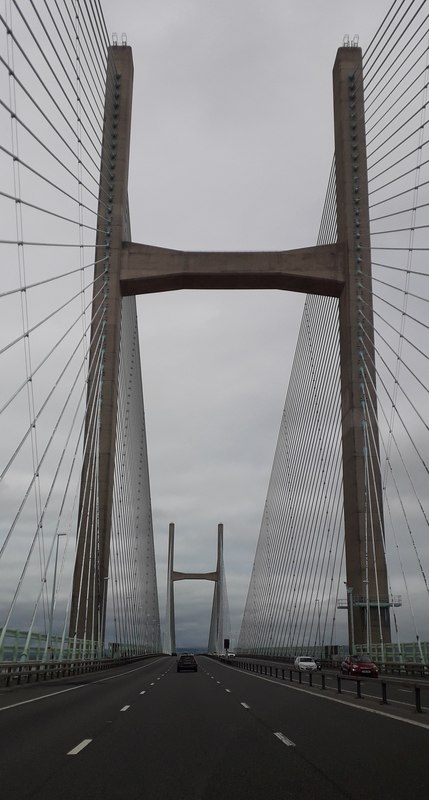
(228, 690)
(244, 705)
(284, 739)
(143, 692)
(125, 708)
(79, 747)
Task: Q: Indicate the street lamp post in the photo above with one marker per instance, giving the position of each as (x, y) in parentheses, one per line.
(317, 602)
(54, 586)
(101, 638)
(351, 619)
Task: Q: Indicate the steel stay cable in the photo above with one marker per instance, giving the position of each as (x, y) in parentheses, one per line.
(377, 39)
(61, 510)
(371, 153)
(41, 322)
(308, 524)
(56, 158)
(325, 202)
(93, 73)
(399, 386)
(72, 63)
(368, 466)
(397, 146)
(50, 213)
(368, 82)
(55, 186)
(45, 359)
(315, 535)
(43, 405)
(397, 70)
(30, 64)
(97, 18)
(30, 95)
(289, 412)
(36, 473)
(48, 149)
(397, 308)
(88, 456)
(398, 289)
(368, 117)
(35, 538)
(394, 180)
(423, 385)
(95, 67)
(398, 414)
(388, 460)
(413, 152)
(406, 519)
(54, 479)
(395, 330)
(402, 210)
(402, 269)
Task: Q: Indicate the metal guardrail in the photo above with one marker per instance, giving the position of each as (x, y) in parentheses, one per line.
(400, 667)
(289, 672)
(15, 673)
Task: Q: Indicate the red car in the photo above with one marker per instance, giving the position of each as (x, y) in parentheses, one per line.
(359, 665)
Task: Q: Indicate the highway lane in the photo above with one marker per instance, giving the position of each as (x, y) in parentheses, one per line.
(368, 754)
(147, 731)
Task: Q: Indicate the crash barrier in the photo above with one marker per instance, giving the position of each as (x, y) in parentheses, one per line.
(318, 680)
(386, 667)
(15, 673)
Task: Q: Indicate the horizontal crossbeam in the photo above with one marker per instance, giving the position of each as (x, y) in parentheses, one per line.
(315, 270)
(195, 576)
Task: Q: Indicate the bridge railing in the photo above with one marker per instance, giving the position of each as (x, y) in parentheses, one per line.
(15, 673)
(19, 645)
(420, 668)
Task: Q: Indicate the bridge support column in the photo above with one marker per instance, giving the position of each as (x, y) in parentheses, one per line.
(367, 585)
(170, 622)
(217, 617)
(89, 593)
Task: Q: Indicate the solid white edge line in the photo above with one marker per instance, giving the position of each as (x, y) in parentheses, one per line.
(43, 697)
(284, 739)
(125, 708)
(337, 700)
(244, 705)
(81, 686)
(79, 747)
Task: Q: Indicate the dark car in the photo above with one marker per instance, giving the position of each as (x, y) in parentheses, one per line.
(359, 665)
(187, 663)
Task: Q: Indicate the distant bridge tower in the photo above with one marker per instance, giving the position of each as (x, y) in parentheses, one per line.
(219, 626)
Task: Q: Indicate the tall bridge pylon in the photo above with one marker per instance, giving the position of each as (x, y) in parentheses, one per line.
(219, 625)
(341, 270)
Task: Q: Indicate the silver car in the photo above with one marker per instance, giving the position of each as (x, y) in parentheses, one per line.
(305, 663)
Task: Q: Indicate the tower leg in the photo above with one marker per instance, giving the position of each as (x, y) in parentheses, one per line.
(367, 585)
(89, 592)
(170, 622)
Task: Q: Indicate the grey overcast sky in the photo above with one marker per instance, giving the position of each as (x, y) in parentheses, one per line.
(232, 143)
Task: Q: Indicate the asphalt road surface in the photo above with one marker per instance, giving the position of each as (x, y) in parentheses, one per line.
(146, 731)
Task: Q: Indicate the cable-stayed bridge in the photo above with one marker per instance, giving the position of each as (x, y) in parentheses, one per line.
(344, 528)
